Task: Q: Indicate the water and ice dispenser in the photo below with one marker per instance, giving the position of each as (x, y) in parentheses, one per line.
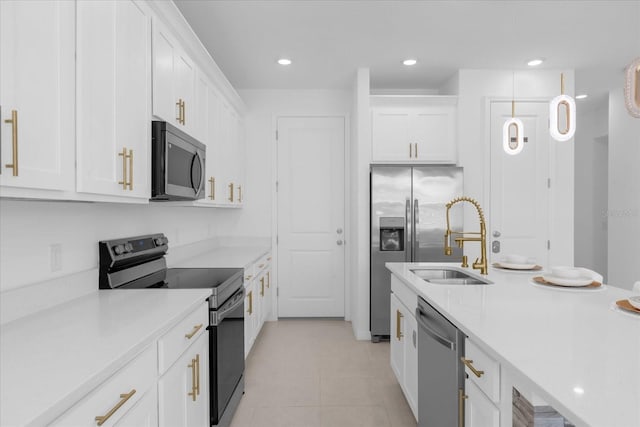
(392, 231)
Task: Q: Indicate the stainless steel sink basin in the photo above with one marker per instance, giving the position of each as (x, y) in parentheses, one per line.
(448, 276)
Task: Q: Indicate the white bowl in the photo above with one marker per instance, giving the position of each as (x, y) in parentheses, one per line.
(515, 259)
(567, 272)
(635, 301)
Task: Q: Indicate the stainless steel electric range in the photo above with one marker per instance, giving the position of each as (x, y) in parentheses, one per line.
(139, 262)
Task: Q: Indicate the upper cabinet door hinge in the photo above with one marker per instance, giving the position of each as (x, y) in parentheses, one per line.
(548, 182)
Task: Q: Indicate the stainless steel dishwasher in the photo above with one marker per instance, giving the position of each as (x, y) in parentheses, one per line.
(440, 371)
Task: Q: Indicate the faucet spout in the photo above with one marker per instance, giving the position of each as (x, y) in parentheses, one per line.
(480, 264)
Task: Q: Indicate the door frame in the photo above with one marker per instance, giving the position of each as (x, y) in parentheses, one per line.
(552, 206)
(274, 204)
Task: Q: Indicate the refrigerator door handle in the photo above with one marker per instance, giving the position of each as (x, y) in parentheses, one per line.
(407, 246)
(414, 230)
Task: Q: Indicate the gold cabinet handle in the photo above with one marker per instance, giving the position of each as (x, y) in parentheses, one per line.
(231, 192)
(415, 151)
(100, 419)
(131, 170)
(198, 374)
(260, 265)
(461, 399)
(126, 156)
(250, 295)
(179, 105)
(399, 316)
(239, 193)
(248, 277)
(268, 279)
(269, 259)
(212, 181)
(193, 393)
(184, 112)
(262, 286)
(469, 364)
(14, 142)
(194, 331)
(410, 150)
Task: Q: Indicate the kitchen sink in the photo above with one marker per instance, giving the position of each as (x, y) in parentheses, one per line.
(448, 276)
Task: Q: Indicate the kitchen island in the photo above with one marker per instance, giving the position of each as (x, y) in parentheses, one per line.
(569, 348)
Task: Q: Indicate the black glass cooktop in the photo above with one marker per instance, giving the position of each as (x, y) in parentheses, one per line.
(187, 278)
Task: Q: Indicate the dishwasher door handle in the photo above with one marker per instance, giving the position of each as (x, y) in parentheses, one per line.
(420, 315)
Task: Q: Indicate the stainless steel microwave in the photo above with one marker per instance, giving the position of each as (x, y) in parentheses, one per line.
(177, 164)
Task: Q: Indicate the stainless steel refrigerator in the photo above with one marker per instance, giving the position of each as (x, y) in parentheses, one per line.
(408, 222)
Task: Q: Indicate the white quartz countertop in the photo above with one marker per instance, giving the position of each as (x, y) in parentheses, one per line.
(51, 359)
(572, 347)
(220, 257)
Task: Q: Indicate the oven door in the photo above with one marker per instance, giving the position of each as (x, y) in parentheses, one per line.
(185, 170)
(226, 352)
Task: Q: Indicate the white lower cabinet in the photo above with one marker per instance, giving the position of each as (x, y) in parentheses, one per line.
(404, 350)
(482, 388)
(479, 410)
(183, 391)
(108, 403)
(258, 299)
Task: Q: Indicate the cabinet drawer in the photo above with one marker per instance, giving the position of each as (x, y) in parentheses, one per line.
(117, 395)
(248, 274)
(404, 294)
(263, 263)
(172, 344)
(489, 380)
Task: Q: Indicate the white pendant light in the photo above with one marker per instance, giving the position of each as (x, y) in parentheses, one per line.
(569, 105)
(515, 146)
(632, 88)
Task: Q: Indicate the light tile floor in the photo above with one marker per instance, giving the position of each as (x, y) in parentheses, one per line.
(313, 373)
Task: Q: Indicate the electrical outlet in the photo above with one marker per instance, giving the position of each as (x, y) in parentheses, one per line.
(56, 257)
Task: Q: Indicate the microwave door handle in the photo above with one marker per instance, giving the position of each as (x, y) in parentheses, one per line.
(196, 188)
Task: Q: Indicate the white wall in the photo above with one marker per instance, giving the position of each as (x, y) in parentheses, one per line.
(624, 194)
(29, 228)
(591, 170)
(476, 87)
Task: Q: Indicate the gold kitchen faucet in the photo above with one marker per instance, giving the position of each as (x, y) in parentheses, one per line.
(478, 264)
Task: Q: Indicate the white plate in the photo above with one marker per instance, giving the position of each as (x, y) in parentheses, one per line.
(615, 307)
(567, 288)
(562, 281)
(515, 266)
(635, 302)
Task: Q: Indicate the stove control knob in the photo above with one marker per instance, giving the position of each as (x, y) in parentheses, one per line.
(118, 249)
(158, 241)
(128, 247)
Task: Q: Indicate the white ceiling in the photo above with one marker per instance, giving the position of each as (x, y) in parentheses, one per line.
(327, 40)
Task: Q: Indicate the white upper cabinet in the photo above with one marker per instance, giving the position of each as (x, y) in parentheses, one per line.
(419, 129)
(174, 81)
(37, 80)
(113, 98)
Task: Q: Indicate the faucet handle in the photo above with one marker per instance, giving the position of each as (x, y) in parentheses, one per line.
(464, 262)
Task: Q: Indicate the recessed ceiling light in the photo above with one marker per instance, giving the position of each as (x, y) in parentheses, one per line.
(409, 62)
(535, 62)
(578, 390)
(284, 61)
(583, 96)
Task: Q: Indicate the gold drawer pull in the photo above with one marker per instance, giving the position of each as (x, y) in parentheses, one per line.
(461, 398)
(269, 259)
(212, 181)
(193, 391)
(268, 279)
(195, 331)
(250, 295)
(469, 364)
(262, 286)
(198, 374)
(248, 277)
(123, 399)
(399, 316)
(240, 193)
(14, 142)
(230, 192)
(261, 265)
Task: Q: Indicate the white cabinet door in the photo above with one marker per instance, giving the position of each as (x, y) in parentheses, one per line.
(143, 414)
(174, 80)
(397, 338)
(411, 362)
(479, 411)
(37, 80)
(249, 315)
(267, 301)
(183, 391)
(113, 98)
(390, 136)
(432, 131)
(200, 113)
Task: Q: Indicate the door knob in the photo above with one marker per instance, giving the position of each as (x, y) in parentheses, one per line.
(339, 231)
(496, 234)
(339, 242)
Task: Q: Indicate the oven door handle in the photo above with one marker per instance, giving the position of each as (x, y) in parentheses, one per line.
(218, 316)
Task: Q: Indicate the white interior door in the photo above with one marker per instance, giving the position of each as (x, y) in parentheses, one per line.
(311, 216)
(519, 222)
